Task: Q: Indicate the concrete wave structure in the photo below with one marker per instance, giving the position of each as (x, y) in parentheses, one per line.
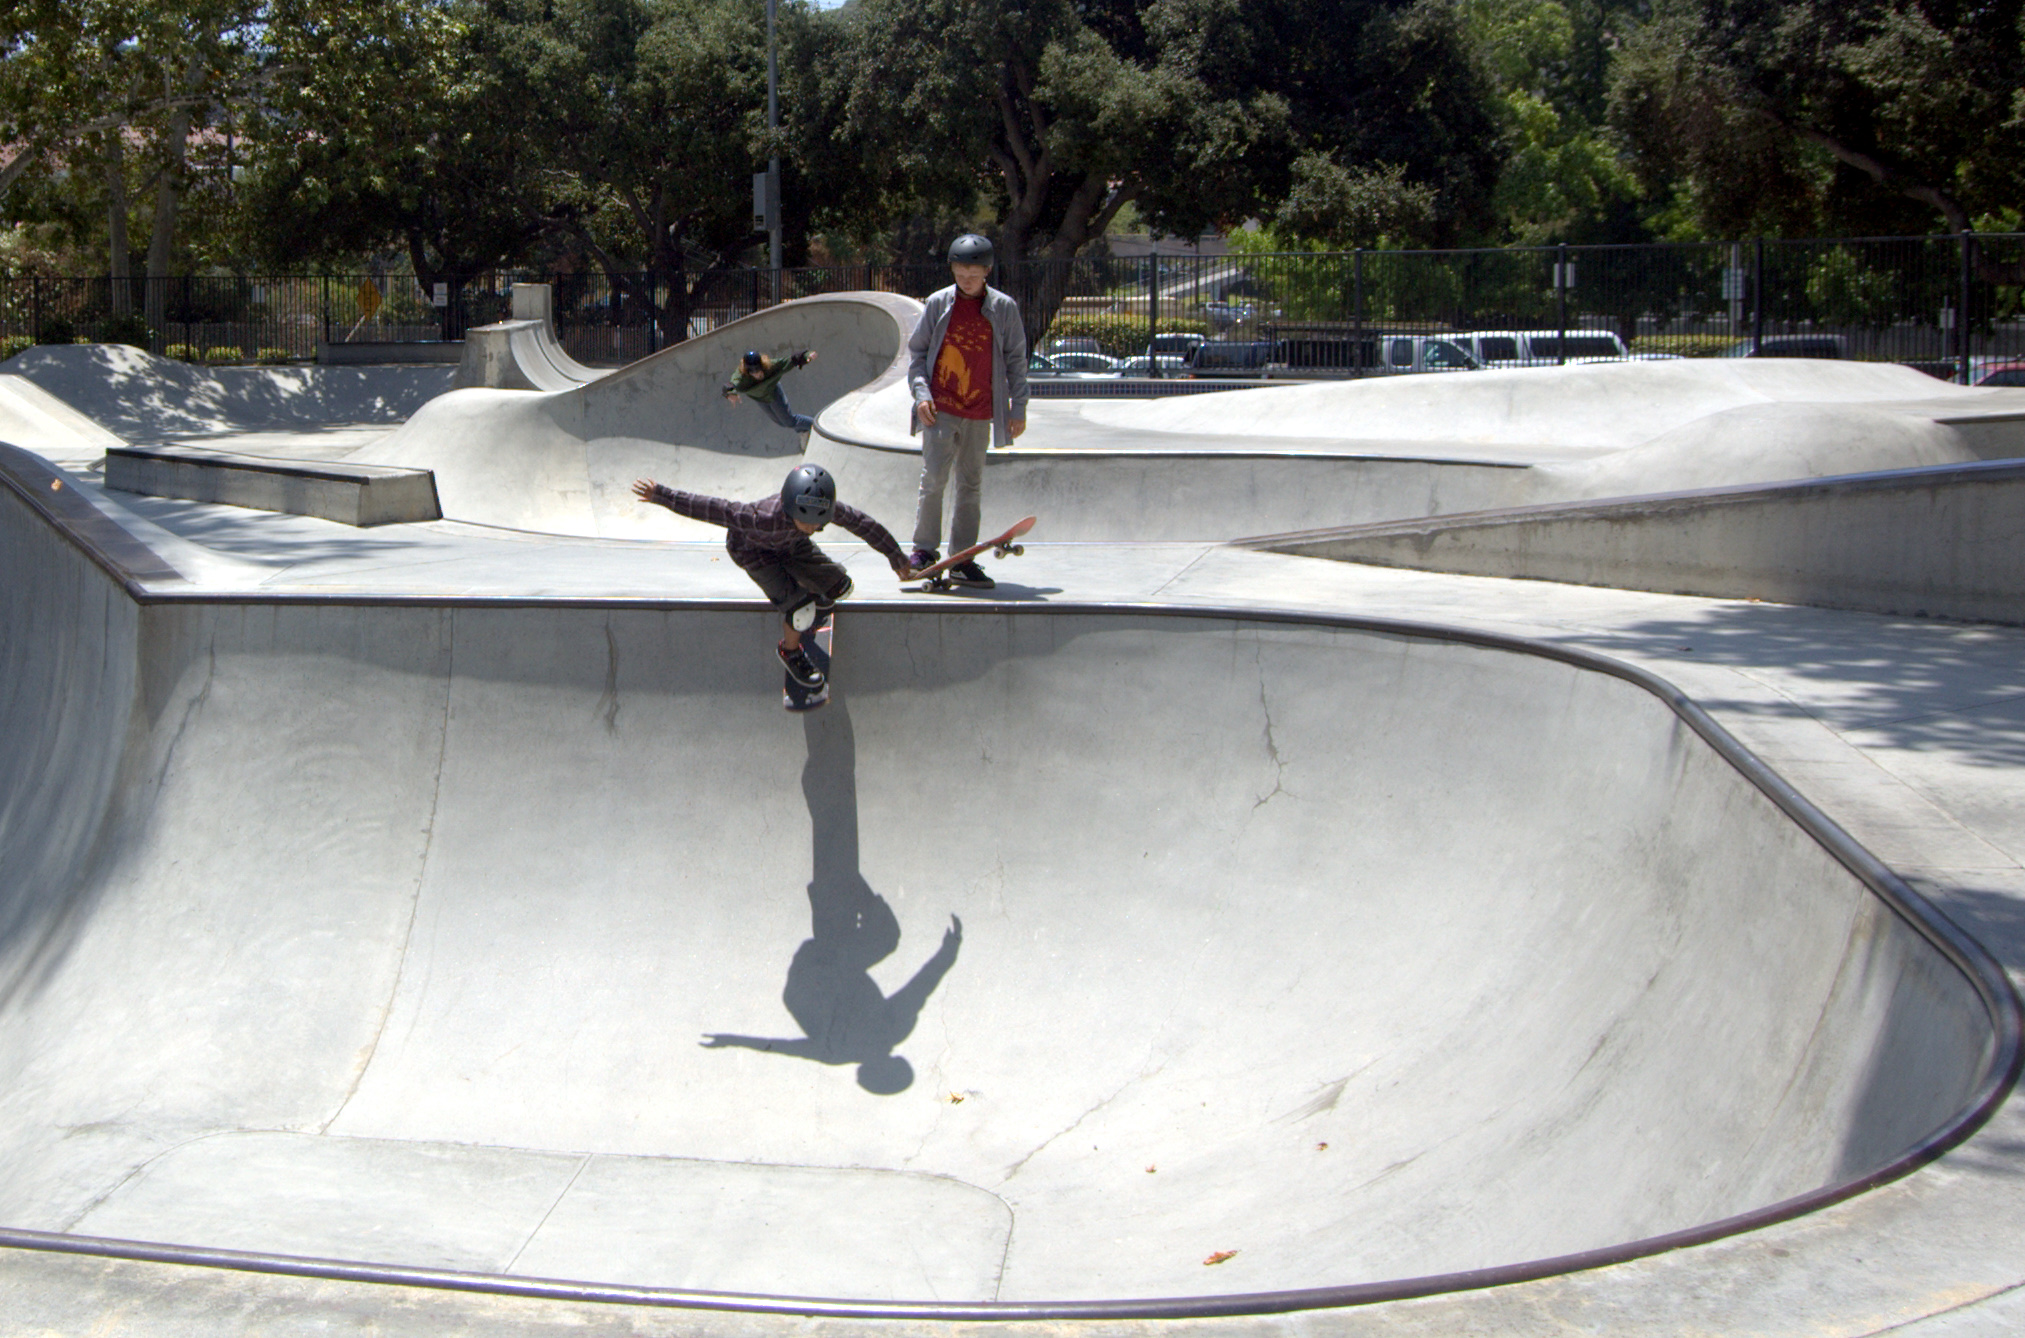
(519, 939)
(559, 454)
(563, 460)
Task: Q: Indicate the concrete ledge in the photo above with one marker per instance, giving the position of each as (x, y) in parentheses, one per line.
(350, 494)
(1945, 541)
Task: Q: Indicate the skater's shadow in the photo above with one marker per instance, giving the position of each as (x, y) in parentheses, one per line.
(830, 991)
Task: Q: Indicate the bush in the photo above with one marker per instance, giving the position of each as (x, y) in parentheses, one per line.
(58, 331)
(131, 328)
(1683, 345)
(13, 344)
(221, 353)
(183, 352)
(274, 357)
(1118, 334)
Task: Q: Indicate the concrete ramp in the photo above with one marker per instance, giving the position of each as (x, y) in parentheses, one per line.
(563, 461)
(1943, 542)
(1066, 951)
(139, 397)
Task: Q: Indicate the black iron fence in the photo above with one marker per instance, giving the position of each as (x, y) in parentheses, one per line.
(1946, 304)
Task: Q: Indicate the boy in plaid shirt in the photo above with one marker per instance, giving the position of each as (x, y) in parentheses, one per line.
(770, 540)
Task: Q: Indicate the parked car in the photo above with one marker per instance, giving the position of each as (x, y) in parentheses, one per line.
(1096, 364)
(1179, 345)
(1169, 364)
(1789, 346)
(1072, 344)
(2000, 374)
(1221, 358)
(1425, 353)
(1540, 348)
(1040, 364)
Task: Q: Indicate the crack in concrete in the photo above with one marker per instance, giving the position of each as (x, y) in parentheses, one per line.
(372, 1047)
(1076, 1123)
(608, 705)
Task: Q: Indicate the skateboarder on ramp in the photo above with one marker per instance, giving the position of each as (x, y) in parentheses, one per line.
(770, 540)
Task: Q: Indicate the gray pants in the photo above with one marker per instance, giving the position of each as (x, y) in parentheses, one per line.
(959, 443)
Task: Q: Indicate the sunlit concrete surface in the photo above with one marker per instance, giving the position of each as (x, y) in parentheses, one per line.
(399, 926)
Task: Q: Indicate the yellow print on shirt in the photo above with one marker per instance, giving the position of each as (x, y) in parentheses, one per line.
(962, 379)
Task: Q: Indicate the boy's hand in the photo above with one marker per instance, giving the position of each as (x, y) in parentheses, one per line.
(644, 489)
(731, 395)
(925, 411)
(905, 572)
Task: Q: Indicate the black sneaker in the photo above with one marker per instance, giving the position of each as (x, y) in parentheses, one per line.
(800, 668)
(923, 558)
(970, 574)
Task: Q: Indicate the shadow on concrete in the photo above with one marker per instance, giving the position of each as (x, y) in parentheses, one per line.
(1918, 684)
(830, 993)
(270, 538)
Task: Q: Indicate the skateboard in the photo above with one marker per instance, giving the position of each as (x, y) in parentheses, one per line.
(816, 645)
(934, 578)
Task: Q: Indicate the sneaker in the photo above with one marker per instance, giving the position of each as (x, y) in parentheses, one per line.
(800, 668)
(923, 558)
(841, 592)
(969, 573)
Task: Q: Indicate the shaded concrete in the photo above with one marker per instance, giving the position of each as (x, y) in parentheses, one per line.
(351, 494)
(1945, 541)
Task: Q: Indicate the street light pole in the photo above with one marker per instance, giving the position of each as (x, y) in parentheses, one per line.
(773, 162)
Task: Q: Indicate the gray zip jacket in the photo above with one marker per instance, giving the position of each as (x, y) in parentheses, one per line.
(1008, 341)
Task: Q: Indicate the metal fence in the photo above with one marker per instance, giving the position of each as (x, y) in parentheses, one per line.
(1939, 303)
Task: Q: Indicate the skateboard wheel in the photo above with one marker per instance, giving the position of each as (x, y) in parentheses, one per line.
(1017, 550)
(1000, 552)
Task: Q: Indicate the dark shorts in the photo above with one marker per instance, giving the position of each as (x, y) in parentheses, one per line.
(795, 579)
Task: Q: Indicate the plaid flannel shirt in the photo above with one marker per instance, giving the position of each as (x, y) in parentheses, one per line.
(757, 533)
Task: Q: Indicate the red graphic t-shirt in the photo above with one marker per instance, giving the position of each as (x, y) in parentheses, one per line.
(962, 376)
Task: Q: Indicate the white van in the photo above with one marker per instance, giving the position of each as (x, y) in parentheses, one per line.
(1540, 348)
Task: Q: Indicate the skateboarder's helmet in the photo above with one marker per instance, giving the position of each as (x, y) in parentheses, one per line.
(809, 495)
(970, 249)
(753, 360)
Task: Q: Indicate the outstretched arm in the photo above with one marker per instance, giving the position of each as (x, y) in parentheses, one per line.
(904, 1008)
(801, 1047)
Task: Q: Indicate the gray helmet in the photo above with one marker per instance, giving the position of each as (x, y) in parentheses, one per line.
(809, 495)
(970, 249)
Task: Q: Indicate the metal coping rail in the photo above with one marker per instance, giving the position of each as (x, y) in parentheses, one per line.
(111, 549)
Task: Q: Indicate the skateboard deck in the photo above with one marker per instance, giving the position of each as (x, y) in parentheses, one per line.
(936, 578)
(816, 644)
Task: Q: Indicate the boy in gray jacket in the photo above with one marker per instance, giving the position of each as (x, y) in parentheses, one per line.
(968, 372)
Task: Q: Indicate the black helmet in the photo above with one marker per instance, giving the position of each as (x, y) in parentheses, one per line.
(970, 249)
(809, 494)
(752, 358)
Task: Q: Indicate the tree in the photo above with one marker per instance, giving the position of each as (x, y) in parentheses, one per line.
(1050, 117)
(1561, 179)
(652, 111)
(110, 84)
(388, 123)
(1829, 115)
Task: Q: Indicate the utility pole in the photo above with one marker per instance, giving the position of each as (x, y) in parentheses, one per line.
(773, 162)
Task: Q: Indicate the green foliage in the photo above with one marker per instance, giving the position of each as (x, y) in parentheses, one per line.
(13, 344)
(1119, 334)
(1825, 116)
(274, 357)
(183, 353)
(219, 354)
(57, 330)
(129, 328)
(1684, 345)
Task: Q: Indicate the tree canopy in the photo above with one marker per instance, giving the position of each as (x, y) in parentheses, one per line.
(461, 135)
